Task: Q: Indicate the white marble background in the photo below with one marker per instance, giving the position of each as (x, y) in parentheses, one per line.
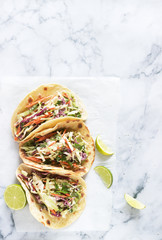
(98, 38)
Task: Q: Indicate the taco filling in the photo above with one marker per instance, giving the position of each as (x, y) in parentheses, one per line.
(55, 193)
(45, 109)
(66, 149)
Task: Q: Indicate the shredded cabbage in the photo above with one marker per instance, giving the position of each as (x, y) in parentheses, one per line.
(67, 149)
(58, 194)
(52, 107)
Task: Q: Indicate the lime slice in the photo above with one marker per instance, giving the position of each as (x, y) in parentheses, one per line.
(102, 148)
(15, 197)
(133, 202)
(105, 175)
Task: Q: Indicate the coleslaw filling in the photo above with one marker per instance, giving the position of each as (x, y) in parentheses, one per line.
(57, 194)
(45, 109)
(62, 148)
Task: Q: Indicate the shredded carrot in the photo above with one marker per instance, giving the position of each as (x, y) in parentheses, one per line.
(65, 95)
(57, 195)
(16, 138)
(67, 194)
(34, 159)
(67, 146)
(52, 144)
(39, 100)
(53, 108)
(53, 211)
(75, 165)
(41, 138)
(73, 183)
(68, 102)
(38, 120)
(68, 165)
(33, 121)
(64, 133)
(48, 114)
(66, 143)
(65, 163)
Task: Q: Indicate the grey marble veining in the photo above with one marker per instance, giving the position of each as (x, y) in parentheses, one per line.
(98, 38)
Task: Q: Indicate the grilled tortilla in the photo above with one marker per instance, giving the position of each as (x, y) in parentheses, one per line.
(45, 104)
(65, 143)
(56, 198)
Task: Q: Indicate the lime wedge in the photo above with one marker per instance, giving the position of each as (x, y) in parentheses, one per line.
(102, 148)
(15, 197)
(105, 175)
(133, 202)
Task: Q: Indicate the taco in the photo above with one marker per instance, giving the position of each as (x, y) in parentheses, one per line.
(56, 198)
(44, 104)
(64, 144)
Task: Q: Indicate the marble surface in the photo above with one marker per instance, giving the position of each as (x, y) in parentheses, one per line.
(98, 38)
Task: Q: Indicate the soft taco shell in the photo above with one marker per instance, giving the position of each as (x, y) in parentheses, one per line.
(69, 123)
(42, 215)
(44, 91)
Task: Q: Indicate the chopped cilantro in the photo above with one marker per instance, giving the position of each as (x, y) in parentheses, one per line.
(78, 146)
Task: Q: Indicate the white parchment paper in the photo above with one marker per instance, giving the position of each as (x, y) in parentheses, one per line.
(101, 97)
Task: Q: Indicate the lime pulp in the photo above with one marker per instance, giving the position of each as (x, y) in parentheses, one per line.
(133, 202)
(102, 147)
(15, 197)
(105, 174)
